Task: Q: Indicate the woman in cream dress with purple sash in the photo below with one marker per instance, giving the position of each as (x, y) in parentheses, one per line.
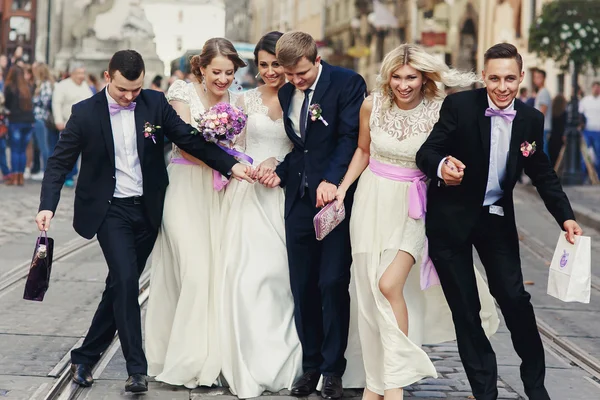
(401, 304)
(181, 335)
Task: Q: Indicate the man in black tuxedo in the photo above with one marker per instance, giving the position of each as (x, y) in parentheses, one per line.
(474, 156)
(120, 193)
(311, 173)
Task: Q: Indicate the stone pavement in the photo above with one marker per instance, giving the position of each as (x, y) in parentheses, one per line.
(35, 336)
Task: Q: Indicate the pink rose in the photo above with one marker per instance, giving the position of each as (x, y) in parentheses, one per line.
(526, 153)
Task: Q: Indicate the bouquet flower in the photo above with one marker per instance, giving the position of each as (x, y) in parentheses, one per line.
(220, 125)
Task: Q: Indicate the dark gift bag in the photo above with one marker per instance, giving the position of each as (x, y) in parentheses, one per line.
(39, 271)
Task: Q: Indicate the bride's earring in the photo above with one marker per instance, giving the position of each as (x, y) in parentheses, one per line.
(257, 76)
(203, 84)
(391, 95)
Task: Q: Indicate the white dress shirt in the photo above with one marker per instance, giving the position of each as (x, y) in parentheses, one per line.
(499, 148)
(296, 104)
(500, 134)
(128, 172)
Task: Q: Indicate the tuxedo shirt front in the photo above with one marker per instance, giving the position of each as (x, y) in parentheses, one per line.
(296, 104)
(128, 171)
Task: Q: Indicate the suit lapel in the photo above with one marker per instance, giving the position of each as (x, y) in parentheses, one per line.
(285, 98)
(516, 138)
(320, 90)
(139, 113)
(485, 127)
(106, 127)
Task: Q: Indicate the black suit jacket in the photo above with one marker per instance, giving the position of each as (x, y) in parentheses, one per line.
(464, 132)
(88, 132)
(327, 150)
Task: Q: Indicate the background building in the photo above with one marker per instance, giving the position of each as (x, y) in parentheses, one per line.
(238, 20)
(18, 23)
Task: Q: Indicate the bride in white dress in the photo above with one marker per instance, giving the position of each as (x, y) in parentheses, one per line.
(181, 336)
(260, 347)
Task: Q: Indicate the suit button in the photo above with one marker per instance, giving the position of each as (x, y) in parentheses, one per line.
(299, 174)
(114, 177)
(306, 151)
(109, 202)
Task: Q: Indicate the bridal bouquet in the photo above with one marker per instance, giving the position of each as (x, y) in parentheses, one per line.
(220, 125)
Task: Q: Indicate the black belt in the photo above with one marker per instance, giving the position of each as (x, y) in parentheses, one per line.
(135, 200)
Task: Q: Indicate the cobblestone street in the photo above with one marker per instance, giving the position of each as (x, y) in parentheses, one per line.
(35, 338)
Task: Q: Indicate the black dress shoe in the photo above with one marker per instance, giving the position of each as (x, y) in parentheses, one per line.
(332, 388)
(82, 374)
(137, 383)
(306, 384)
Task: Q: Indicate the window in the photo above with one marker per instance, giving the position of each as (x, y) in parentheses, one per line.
(180, 16)
(23, 5)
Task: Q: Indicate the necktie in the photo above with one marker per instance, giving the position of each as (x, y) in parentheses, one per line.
(304, 113)
(508, 115)
(114, 108)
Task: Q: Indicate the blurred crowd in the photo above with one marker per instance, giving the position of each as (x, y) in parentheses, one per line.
(35, 105)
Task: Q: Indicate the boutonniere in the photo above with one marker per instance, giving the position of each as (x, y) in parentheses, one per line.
(315, 113)
(527, 148)
(149, 130)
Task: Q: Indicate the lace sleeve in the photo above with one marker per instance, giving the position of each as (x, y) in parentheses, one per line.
(178, 91)
(240, 141)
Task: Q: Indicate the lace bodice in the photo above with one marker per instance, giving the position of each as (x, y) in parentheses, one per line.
(186, 93)
(397, 135)
(263, 137)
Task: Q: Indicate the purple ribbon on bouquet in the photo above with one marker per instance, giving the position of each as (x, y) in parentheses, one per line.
(219, 181)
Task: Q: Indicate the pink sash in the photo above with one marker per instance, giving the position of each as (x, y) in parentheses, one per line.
(218, 181)
(417, 207)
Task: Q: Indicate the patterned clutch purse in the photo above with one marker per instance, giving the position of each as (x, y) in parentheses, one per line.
(327, 219)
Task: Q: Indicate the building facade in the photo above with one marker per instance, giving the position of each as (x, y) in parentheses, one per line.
(286, 15)
(238, 20)
(18, 27)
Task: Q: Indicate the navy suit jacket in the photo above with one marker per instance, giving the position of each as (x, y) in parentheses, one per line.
(89, 133)
(326, 151)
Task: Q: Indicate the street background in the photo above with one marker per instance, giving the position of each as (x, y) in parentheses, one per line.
(75, 39)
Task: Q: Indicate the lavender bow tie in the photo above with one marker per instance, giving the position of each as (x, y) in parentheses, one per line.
(508, 115)
(114, 108)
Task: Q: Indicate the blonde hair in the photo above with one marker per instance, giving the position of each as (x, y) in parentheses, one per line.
(42, 74)
(433, 70)
(293, 46)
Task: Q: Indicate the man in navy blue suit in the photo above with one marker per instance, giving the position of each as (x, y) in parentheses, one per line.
(119, 198)
(310, 174)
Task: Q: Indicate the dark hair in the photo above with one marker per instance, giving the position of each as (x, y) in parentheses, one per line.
(16, 81)
(522, 91)
(503, 50)
(267, 43)
(596, 83)
(212, 48)
(559, 105)
(540, 71)
(157, 81)
(128, 62)
(93, 78)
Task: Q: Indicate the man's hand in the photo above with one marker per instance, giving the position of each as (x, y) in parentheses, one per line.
(43, 220)
(242, 172)
(271, 180)
(572, 228)
(453, 171)
(60, 126)
(325, 193)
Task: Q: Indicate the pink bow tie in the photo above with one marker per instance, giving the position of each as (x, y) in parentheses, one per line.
(508, 115)
(114, 108)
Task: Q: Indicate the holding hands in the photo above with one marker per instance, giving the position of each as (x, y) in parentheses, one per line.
(265, 169)
(453, 171)
(326, 193)
(242, 172)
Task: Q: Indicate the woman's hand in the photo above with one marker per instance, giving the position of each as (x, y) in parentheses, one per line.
(265, 168)
(340, 195)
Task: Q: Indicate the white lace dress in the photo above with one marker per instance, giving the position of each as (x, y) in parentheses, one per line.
(379, 228)
(260, 347)
(181, 335)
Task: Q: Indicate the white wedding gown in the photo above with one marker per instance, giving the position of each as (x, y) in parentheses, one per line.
(181, 336)
(259, 344)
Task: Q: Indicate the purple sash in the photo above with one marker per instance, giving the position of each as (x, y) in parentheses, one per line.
(219, 181)
(417, 207)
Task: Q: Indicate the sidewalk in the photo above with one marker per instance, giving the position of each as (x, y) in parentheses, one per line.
(585, 200)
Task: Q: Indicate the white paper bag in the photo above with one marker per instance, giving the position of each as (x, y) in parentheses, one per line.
(570, 276)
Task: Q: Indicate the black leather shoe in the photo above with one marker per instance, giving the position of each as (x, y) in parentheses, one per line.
(332, 388)
(306, 384)
(137, 383)
(82, 374)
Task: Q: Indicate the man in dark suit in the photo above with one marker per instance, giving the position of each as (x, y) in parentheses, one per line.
(120, 193)
(311, 173)
(474, 156)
